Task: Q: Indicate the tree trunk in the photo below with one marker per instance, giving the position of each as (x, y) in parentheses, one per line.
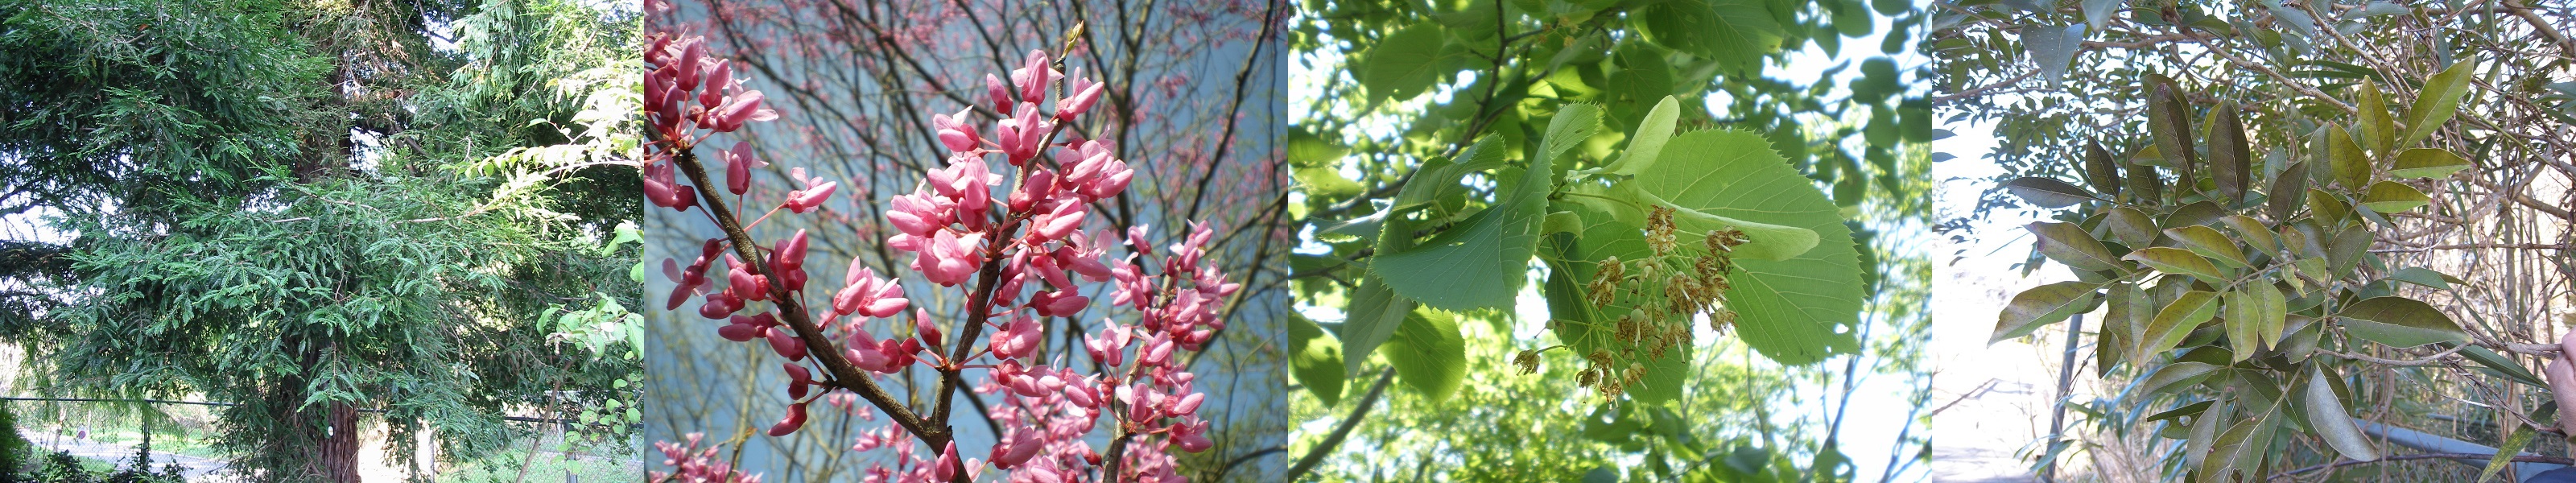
(339, 450)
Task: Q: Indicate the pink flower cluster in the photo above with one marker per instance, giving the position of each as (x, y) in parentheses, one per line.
(1024, 251)
(693, 465)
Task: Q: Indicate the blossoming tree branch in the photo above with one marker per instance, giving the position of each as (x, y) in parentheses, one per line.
(1012, 241)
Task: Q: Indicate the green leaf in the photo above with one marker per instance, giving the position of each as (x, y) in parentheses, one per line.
(2130, 226)
(1404, 64)
(1572, 125)
(2425, 277)
(1429, 355)
(1316, 360)
(2052, 48)
(2399, 322)
(1787, 308)
(2351, 166)
(1373, 316)
(1325, 181)
(2392, 197)
(2255, 315)
(2208, 242)
(2099, 170)
(2174, 323)
(2231, 160)
(1648, 141)
(1481, 261)
(2040, 306)
(2289, 190)
(2504, 454)
(2169, 122)
(2377, 130)
(2176, 376)
(2326, 207)
(1307, 150)
(2068, 244)
(2177, 261)
(2048, 192)
(2144, 184)
(1737, 34)
(2254, 234)
(2326, 415)
(2132, 309)
(2426, 163)
(2502, 366)
(1629, 202)
(2435, 105)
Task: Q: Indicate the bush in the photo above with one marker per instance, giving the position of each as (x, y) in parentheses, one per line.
(14, 448)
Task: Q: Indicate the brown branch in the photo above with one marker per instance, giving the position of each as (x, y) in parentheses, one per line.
(792, 311)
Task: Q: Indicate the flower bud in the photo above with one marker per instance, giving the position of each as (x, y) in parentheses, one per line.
(784, 341)
(795, 419)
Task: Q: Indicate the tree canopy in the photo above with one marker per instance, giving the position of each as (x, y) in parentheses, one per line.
(312, 209)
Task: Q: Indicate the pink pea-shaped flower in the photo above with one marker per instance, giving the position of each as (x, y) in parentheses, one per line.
(816, 191)
(1017, 338)
(687, 68)
(738, 165)
(719, 305)
(739, 109)
(1085, 93)
(915, 215)
(784, 341)
(1157, 351)
(867, 295)
(795, 419)
(1040, 185)
(951, 258)
(1058, 304)
(1185, 406)
(1064, 220)
(1001, 94)
(745, 285)
(739, 332)
(1033, 76)
(955, 133)
(1194, 439)
(1024, 444)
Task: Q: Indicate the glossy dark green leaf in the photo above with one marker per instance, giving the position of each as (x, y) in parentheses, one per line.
(2436, 103)
(2131, 227)
(2426, 163)
(2425, 277)
(2068, 244)
(2042, 305)
(2352, 169)
(2231, 158)
(2047, 192)
(2099, 170)
(2399, 322)
(2208, 242)
(2177, 261)
(2327, 416)
(2392, 197)
(2169, 121)
(2289, 190)
(2377, 130)
(2174, 322)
